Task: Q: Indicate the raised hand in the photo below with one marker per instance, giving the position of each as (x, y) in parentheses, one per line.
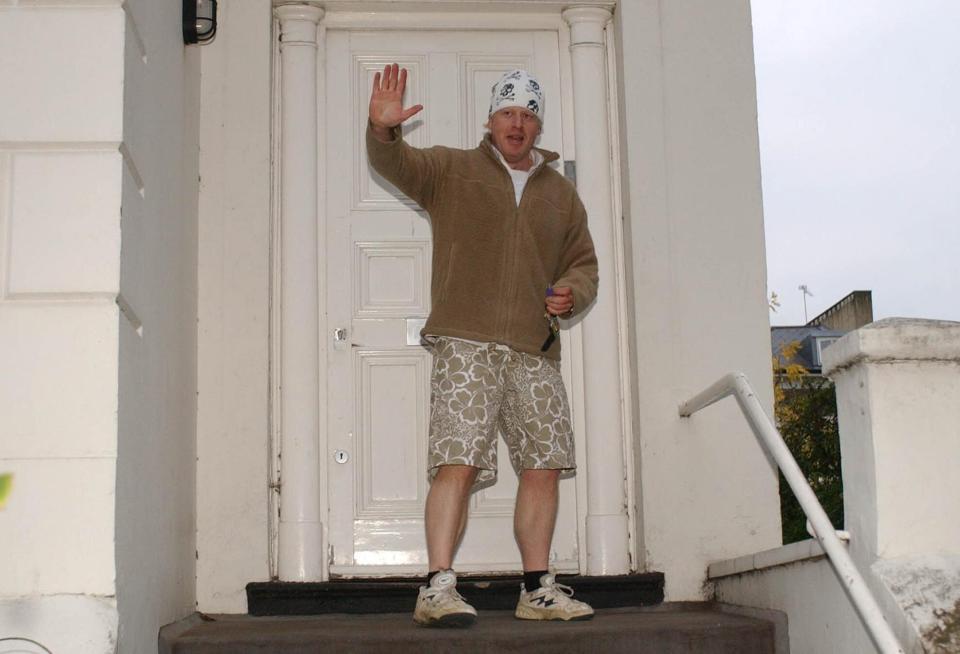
(386, 99)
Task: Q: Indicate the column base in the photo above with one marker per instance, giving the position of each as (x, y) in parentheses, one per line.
(300, 551)
(607, 540)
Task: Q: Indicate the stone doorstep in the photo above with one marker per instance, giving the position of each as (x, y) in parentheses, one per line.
(690, 628)
(397, 595)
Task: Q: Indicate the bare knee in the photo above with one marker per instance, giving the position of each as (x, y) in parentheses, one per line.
(540, 478)
(459, 476)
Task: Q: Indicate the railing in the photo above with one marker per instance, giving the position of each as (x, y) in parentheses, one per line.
(736, 384)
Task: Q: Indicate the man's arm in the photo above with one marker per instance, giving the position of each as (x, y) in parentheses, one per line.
(414, 171)
(576, 286)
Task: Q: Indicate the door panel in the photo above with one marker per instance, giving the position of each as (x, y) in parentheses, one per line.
(378, 281)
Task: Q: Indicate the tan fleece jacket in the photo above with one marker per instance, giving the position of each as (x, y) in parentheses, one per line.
(493, 260)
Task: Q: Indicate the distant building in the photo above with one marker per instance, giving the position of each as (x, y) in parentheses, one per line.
(852, 312)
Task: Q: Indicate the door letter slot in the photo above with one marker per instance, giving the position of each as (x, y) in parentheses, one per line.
(414, 325)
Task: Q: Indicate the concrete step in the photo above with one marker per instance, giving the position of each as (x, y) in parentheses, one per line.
(663, 629)
(483, 592)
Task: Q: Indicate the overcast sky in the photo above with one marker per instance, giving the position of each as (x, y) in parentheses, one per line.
(859, 109)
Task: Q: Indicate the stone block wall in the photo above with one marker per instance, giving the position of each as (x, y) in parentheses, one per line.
(98, 195)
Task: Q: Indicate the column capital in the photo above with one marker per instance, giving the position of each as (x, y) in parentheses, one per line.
(298, 24)
(586, 24)
(895, 340)
(298, 11)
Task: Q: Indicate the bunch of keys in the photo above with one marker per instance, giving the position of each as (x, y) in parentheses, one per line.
(553, 325)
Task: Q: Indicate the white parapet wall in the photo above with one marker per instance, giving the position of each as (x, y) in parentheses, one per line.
(798, 580)
(898, 402)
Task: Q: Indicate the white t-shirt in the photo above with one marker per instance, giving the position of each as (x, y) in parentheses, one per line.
(520, 177)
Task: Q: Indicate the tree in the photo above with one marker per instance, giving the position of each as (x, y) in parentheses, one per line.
(805, 410)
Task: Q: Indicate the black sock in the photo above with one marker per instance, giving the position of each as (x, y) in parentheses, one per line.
(431, 575)
(531, 580)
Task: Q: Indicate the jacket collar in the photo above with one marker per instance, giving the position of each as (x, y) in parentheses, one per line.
(487, 146)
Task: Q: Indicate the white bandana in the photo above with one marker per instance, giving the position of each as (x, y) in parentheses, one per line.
(518, 88)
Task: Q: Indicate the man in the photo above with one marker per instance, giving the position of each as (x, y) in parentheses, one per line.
(511, 253)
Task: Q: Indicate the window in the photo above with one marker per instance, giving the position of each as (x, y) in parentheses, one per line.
(822, 344)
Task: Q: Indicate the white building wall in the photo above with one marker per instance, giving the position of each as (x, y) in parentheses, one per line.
(694, 225)
(234, 278)
(96, 405)
(61, 71)
(156, 457)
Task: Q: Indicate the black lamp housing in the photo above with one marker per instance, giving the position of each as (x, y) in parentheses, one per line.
(199, 21)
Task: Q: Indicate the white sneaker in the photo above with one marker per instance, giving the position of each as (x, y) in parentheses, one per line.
(552, 601)
(440, 605)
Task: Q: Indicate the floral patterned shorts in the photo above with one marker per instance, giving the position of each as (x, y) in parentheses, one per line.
(477, 388)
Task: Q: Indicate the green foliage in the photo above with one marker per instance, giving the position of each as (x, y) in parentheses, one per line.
(6, 485)
(806, 415)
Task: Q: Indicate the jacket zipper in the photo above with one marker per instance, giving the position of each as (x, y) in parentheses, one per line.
(513, 247)
(515, 242)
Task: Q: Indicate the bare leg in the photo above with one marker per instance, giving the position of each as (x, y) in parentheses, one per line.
(535, 516)
(446, 513)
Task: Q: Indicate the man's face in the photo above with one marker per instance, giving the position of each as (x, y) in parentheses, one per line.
(514, 131)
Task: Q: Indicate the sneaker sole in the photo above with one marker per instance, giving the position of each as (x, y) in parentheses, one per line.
(449, 621)
(528, 614)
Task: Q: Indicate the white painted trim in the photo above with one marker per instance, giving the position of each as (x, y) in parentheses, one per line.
(135, 32)
(300, 528)
(323, 326)
(69, 4)
(41, 298)
(133, 169)
(607, 524)
(60, 146)
(626, 390)
(573, 347)
(349, 20)
(566, 92)
(273, 387)
(458, 6)
(804, 550)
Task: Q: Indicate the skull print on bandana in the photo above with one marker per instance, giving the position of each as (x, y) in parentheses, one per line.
(517, 88)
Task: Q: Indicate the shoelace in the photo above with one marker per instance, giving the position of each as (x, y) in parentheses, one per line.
(567, 596)
(445, 594)
(566, 590)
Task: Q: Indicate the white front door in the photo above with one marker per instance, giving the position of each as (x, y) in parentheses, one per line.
(378, 283)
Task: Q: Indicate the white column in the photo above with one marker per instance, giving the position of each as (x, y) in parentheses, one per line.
(606, 526)
(300, 533)
(898, 402)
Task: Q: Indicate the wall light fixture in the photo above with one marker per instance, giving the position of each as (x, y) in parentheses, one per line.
(199, 21)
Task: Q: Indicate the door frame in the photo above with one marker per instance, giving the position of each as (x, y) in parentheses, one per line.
(459, 15)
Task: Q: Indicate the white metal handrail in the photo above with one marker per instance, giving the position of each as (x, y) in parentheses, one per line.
(736, 384)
